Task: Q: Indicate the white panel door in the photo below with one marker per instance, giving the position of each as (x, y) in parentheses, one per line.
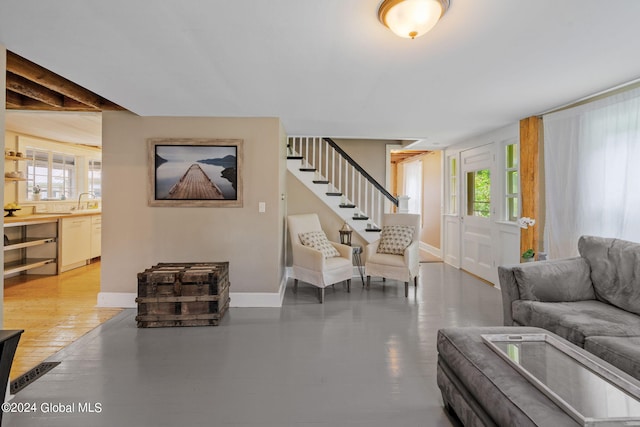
(477, 171)
(452, 240)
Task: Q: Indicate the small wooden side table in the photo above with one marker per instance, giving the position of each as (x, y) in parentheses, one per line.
(357, 251)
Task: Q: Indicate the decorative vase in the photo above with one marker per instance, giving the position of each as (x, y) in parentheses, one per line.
(36, 197)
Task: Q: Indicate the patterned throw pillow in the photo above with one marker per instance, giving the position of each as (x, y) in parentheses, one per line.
(394, 239)
(318, 240)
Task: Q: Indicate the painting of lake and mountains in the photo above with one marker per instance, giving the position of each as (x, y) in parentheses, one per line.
(196, 172)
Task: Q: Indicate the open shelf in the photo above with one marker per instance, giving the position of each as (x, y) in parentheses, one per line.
(26, 264)
(28, 242)
(14, 158)
(31, 244)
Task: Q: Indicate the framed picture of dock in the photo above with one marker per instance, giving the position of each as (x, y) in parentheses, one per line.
(195, 172)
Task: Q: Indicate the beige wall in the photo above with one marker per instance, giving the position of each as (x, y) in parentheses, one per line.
(136, 236)
(3, 74)
(282, 213)
(431, 198)
(368, 153)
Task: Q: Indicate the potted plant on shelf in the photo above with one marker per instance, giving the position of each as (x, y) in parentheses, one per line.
(36, 192)
(528, 255)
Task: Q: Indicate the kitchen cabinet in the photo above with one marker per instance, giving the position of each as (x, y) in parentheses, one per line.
(75, 236)
(96, 236)
(31, 246)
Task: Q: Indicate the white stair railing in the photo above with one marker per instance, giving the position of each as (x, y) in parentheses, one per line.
(343, 175)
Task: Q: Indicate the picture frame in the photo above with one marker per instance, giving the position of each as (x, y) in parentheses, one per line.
(195, 172)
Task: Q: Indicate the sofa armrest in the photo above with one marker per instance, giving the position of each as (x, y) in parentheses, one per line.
(561, 280)
(412, 255)
(509, 290)
(371, 249)
(308, 257)
(345, 251)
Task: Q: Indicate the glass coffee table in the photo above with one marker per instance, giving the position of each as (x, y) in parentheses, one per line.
(579, 383)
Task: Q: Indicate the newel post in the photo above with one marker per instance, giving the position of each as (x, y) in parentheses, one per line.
(403, 204)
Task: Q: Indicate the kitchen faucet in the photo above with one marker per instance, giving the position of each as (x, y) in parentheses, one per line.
(80, 197)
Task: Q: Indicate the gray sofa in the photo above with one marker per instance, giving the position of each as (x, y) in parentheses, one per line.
(592, 300)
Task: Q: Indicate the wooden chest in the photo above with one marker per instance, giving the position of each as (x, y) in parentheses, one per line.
(183, 294)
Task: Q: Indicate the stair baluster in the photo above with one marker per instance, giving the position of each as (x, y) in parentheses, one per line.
(343, 177)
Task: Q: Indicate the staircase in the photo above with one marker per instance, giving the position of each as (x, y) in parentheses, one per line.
(343, 185)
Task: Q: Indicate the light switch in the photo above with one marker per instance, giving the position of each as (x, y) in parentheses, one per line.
(262, 207)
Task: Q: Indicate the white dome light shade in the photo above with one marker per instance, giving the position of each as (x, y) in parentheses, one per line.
(411, 18)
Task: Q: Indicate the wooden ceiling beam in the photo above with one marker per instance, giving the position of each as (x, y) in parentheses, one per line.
(14, 100)
(33, 105)
(106, 105)
(30, 71)
(72, 104)
(406, 155)
(32, 90)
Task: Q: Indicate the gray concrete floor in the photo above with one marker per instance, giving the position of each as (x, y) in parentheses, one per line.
(367, 358)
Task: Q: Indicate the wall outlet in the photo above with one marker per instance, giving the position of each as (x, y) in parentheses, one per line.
(262, 207)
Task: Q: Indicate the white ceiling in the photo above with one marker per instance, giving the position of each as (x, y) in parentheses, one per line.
(328, 67)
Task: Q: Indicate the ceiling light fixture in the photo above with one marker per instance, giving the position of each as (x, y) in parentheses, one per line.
(411, 18)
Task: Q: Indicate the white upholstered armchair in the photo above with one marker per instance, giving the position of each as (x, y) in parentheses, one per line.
(396, 255)
(316, 260)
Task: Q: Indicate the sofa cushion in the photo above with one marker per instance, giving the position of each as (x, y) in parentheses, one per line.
(555, 281)
(386, 259)
(574, 321)
(621, 352)
(615, 270)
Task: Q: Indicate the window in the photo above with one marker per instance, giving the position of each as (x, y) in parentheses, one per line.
(479, 193)
(37, 172)
(95, 177)
(591, 157)
(62, 176)
(413, 185)
(54, 173)
(453, 185)
(511, 188)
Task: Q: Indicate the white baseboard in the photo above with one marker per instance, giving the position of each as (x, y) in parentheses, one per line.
(117, 299)
(356, 272)
(259, 299)
(238, 299)
(431, 249)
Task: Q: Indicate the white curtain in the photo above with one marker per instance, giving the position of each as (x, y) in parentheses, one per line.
(592, 172)
(413, 185)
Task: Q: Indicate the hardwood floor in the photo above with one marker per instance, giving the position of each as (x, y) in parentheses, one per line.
(54, 311)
